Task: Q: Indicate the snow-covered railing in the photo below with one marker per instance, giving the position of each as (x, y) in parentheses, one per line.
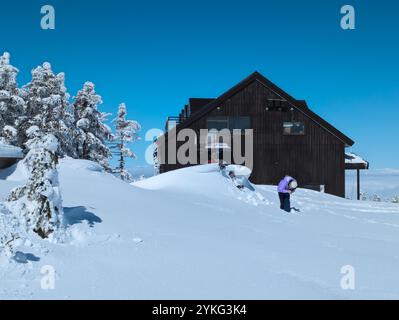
(354, 158)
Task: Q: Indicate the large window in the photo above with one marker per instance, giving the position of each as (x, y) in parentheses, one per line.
(218, 123)
(231, 123)
(293, 128)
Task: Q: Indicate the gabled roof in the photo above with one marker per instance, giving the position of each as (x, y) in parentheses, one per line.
(199, 102)
(297, 104)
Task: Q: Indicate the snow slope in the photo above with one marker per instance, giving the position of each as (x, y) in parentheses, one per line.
(191, 234)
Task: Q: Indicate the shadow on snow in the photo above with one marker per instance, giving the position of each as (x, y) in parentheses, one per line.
(24, 258)
(77, 215)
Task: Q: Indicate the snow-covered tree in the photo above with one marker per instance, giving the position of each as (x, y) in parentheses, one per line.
(11, 234)
(48, 108)
(38, 204)
(376, 198)
(363, 196)
(156, 159)
(126, 132)
(92, 133)
(12, 105)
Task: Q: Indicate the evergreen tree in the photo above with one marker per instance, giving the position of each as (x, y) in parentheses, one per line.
(92, 133)
(126, 132)
(156, 159)
(48, 108)
(12, 105)
(10, 232)
(38, 204)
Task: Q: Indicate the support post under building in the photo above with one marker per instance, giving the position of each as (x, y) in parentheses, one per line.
(354, 162)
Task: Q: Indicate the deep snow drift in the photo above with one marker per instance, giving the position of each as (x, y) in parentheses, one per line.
(192, 234)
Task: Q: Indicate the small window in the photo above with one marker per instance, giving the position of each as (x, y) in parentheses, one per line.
(293, 128)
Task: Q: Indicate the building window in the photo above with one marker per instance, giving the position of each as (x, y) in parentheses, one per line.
(293, 128)
(231, 123)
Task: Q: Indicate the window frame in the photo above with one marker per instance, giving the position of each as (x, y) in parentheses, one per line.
(293, 123)
(231, 122)
(218, 119)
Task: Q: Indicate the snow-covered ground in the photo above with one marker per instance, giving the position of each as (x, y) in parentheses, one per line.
(191, 234)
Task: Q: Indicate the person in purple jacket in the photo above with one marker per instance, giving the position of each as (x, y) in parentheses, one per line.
(285, 188)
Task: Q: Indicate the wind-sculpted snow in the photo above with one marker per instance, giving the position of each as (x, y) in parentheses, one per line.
(192, 234)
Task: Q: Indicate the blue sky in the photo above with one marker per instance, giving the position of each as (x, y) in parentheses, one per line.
(154, 55)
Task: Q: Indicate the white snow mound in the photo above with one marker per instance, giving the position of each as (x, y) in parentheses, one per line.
(191, 234)
(196, 179)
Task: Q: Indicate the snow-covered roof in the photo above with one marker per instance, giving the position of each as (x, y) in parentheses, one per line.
(8, 151)
(354, 161)
(354, 158)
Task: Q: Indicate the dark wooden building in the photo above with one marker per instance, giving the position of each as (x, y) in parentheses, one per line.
(288, 137)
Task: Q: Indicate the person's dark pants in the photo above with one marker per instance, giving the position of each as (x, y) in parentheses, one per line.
(285, 203)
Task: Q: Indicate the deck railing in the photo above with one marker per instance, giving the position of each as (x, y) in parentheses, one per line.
(172, 122)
